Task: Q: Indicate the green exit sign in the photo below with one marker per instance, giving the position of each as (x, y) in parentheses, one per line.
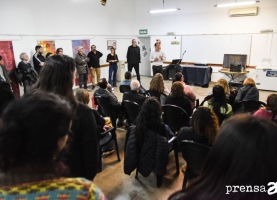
(143, 31)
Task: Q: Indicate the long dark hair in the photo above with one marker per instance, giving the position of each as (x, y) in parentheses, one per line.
(29, 134)
(219, 99)
(149, 117)
(56, 76)
(271, 104)
(244, 154)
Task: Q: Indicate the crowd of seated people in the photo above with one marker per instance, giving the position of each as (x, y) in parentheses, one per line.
(81, 157)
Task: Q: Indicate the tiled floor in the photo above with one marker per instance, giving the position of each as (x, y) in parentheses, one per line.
(117, 185)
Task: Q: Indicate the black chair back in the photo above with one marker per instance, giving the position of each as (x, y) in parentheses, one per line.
(175, 117)
(132, 108)
(106, 108)
(195, 155)
(124, 88)
(252, 106)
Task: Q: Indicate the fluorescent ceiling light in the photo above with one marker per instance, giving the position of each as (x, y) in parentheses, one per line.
(237, 4)
(164, 10)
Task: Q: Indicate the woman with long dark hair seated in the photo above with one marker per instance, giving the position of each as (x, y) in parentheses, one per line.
(34, 131)
(219, 104)
(177, 97)
(204, 127)
(241, 164)
(57, 76)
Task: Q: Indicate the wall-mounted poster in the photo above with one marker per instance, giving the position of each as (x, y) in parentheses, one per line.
(86, 45)
(110, 44)
(47, 46)
(6, 51)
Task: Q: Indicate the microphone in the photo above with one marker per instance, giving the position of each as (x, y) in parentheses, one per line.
(184, 53)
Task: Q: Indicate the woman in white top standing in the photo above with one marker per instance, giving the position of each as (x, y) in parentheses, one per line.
(157, 57)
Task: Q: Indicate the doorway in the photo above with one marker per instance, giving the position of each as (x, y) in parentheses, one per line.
(145, 65)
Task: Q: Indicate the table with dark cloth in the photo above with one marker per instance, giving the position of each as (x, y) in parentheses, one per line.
(200, 75)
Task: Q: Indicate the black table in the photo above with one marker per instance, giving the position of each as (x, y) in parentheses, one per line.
(200, 75)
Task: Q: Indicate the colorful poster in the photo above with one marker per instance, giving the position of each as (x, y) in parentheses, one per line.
(86, 45)
(6, 51)
(48, 46)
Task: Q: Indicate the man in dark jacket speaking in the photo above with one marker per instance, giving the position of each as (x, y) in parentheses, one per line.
(133, 58)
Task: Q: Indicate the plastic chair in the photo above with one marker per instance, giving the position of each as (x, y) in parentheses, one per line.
(175, 117)
(124, 88)
(106, 108)
(111, 135)
(132, 109)
(251, 106)
(195, 155)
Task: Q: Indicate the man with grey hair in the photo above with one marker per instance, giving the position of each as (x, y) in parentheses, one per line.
(134, 95)
(26, 69)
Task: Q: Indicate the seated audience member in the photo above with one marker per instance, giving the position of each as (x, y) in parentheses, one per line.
(248, 92)
(270, 111)
(29, 164)
(222, 82)
(133, 95)
(204, 127)
(218, 103)
(82, 96)
(4, 76)
(157, 88)
(26, 68)
(57, 76)
(128, 79)
(177, 97)
(242, 155)
(6, 96)
(187, 89)
(148, 141)
(48, 55)
(103, 92)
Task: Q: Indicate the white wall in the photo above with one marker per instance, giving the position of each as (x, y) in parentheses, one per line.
(201, 17)
(67, 17)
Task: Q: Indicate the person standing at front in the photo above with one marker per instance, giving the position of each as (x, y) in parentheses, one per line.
(94, 64)
(38, 58)
(133, 58)
(157, 57)
(112, 59)
(82, 67)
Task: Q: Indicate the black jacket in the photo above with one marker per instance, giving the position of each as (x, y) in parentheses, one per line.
(247, 93)
(188, 133)
(37, 59)
(84, 148)
(113, 99)
(26, 69)
(182, 102)
(6, 95)
(94, 59)
(6, 75)
(152, 155)
(134, 96)
(133, 55)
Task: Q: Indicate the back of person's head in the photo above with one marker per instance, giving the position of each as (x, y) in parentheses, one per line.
(48, 55)
(243, 155)
(135, 85)
(38, 47)
(222, 82)
(103, 83)
(128, 75)
(177, 90)
(249, 81)
(157, 83)
(33, 131)
(57, 76)
(149, 116)
(219, 99)
(177, 77)
(82, 96)
(271, 103)
(205, 123)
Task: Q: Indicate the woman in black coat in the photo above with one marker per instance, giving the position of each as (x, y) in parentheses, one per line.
(57, 76)
(248, 92)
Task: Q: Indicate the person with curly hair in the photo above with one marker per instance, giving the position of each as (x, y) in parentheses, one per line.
(157, 87)
(177, 97)
(270, 111)
(204, 127)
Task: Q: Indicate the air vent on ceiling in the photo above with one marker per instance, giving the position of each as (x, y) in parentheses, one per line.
(241, 12)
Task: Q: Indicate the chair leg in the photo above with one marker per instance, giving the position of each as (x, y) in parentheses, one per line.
(159, 180)
(117, 151)
(136, 177)
(100, 160)
(176, 158)
(185, 181)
